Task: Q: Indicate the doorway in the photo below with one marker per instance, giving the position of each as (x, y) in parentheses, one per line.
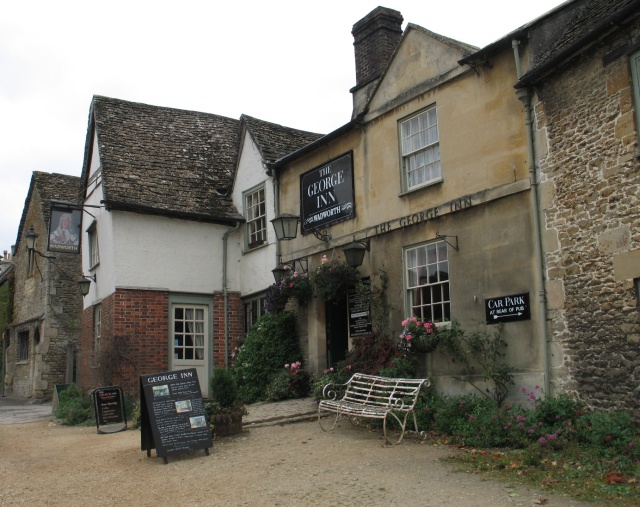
(337, 328)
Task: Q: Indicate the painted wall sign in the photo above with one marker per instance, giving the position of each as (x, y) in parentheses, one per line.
(64, 227)
(360, 310)
(326, 194)
(507, 308)
(108, 404)
(173, 418)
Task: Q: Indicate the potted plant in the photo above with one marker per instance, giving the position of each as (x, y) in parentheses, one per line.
(226, 409)
(332, 279)
(418, 336)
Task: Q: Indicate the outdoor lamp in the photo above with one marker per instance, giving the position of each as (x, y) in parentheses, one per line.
(354, 252)
(84, 283)
(30, 237)
(279, 272)
(286, 226)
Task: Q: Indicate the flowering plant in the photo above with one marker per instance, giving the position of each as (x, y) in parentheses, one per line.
(332, 279)
(292, 285)
(291, 383)
(418, 336)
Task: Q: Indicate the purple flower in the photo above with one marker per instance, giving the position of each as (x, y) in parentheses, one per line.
(542, 441)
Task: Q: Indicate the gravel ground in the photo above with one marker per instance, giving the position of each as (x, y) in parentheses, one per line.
(42, 463)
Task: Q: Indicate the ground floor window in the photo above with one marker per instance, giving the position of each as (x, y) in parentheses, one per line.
(253, 309)
(23, 346)
(427, 281)
(189, 327)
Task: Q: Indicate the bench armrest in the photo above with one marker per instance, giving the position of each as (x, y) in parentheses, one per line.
(331, 391)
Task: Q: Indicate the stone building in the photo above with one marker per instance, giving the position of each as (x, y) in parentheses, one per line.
(586, 91)
(431, 177)
(176, 207)
(44, 335)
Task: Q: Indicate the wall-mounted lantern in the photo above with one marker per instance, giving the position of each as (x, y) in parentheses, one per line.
(30, 237)
(84, 283)
(286, 226)
(354, 252)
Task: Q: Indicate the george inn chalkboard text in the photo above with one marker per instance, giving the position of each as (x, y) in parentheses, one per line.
(326, 194)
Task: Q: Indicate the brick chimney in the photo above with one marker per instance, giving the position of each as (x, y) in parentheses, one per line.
(375, 38)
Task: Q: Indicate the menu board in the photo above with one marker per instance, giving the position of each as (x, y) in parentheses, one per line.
(173, 417)
(359, 310)
(108, 404)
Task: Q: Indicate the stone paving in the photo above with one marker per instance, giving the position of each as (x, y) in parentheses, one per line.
(19, 410)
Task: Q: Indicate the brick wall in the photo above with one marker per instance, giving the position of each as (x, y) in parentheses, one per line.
(136, 324)
(591, 200)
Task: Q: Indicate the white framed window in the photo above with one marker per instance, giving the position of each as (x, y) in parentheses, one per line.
(255, 215)
(97, 328)
(189, 332)
(420, 149)
(253, 309)
(427, 282)
(94, 251)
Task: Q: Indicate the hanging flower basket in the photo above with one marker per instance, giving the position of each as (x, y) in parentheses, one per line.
(332, 279)
(418, 336)
(294, 285)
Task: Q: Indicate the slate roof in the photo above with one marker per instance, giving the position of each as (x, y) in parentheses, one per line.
(587, 23)
(159, 160)
(275, 141)
(49, 186)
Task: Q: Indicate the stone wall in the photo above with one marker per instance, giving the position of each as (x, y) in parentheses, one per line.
(590, 196)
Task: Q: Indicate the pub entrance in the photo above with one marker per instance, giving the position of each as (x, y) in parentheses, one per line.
(337, 326)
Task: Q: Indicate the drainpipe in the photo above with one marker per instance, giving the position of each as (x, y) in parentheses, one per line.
(225, 294)
(524, 95)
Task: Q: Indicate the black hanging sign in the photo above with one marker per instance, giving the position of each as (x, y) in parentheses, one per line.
(507, 308)
(173, 418)
(360, 310)
(326, 194)
(108, 404)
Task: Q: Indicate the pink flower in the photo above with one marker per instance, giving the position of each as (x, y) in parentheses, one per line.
(405, 322)
(608, 438)
(324, 259)
(291, 285)
(419, 324)
(409, 337)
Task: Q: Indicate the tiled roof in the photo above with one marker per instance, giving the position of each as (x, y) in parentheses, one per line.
(159, 160)
(56, 187)
(275, 141)
(588, 21)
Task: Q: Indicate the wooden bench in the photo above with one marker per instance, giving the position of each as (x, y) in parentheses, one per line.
(372, 397)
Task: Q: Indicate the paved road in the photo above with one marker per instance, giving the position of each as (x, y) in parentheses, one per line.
(18, 411)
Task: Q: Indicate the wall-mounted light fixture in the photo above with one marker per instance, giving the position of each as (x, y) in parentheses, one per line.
(279, 272)
(30, 237)
(84, 283)
(354, 252)
(286, 226)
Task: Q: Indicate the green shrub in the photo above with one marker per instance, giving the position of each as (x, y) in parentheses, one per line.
(292, 382)
(270, 344)
(400, 367)
(224, 389)
(74, 409)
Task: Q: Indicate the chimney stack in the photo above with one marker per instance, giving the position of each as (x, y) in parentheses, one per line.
(375, 39)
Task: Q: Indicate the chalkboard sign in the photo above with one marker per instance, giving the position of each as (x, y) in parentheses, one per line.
(173, 417)
(359, 310)
(108, 404)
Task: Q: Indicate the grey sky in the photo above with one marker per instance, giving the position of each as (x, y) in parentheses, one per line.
(288, 62)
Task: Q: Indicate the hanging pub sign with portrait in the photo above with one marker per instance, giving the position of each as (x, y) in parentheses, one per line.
(65, 220)
(326, 194)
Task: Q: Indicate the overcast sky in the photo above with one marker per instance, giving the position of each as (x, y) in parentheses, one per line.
(288, 62)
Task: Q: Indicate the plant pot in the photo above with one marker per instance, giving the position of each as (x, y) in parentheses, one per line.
(424, 344)
(228, 423)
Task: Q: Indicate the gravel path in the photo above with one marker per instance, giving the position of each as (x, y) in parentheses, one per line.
(44, 464)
